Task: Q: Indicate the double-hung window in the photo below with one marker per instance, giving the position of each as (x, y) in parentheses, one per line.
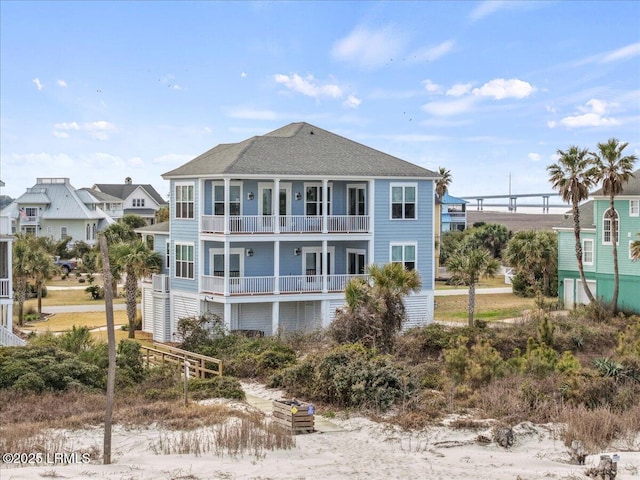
(587, 252)
(234, 199)
(404, 253)
(634, 208)
(313, 200)
(184, 261)
(607, 220)
(403, 201)
(184, 200)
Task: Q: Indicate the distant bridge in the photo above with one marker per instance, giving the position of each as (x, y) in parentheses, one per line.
(512, 199)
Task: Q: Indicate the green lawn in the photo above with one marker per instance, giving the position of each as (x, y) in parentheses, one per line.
(488, 307)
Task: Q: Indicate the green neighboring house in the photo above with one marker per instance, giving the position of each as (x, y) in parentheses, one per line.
(597, 256)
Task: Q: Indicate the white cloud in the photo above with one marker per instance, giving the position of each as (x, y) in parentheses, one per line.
(243, 75)
(37, 83)
(431, 54)
(551, 124)
(431, 87)
(535, 157)
(172, 159)
(500, 88)
(623, 53)
(450, 107)
(369, 48)
(593, 116)
(459, 89)
(67, 126)
(135, 162)
(61, 83)
(352, 102)
(308, 86)
(99, 130)
(59, 134)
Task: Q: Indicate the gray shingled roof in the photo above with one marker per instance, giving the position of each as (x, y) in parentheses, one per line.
(586, 217)
(298, 149)
(123, 190)
(99, 196)
(632, 187)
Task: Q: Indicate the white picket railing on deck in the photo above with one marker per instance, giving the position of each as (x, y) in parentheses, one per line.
(9, 339)
(285, 223)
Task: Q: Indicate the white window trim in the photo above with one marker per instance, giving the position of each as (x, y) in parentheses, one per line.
(175, 199)
(634, 211)
(286, 186)
(175, 259)
(593, 253)
(359, 186)
(330, 194)
(241, 252)
(604, 242)
(404, 244)
(330, 250)
(167, 254)
(66, 232)
(403, 184)
(213, 196)
(357, 251)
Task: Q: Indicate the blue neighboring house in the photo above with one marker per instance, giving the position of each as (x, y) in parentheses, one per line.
(265, 233)
(453, 213)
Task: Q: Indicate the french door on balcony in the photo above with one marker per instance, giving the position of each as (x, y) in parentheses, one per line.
(312, 264)
(356, 262)
(265, 207)
(356, 200)
(236, 266)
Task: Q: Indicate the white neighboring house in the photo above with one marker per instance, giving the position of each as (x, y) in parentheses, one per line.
(7, 338)
(138, 199)
(54, 208)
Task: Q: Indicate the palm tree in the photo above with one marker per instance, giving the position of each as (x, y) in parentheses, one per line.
(21, 271)
(442, 184)
(614, 170)
(391, 283)
(42, 269)
(635, 249)
(573, 176)
(467, 265)
(136, 260)
(534, 254)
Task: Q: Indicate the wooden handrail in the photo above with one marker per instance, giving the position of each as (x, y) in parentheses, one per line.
(197, 360)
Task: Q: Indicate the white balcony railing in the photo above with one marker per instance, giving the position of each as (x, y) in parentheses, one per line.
(266, 285)
(160, 283)
(5, 291)
(285, 224)
(9, 339)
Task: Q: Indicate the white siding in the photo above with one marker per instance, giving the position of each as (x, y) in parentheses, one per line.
(162, 331)
(419, 309)
(255, 316)
(182, 306)
(333, 305)
(147, 310)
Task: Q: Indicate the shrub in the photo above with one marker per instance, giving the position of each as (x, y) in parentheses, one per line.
(477, 365)
(349, 376)
(216, 387)
(96, 292)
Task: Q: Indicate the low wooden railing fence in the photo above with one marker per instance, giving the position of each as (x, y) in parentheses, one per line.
(199, 366)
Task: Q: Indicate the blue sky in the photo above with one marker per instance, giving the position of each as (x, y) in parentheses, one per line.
(98, 91)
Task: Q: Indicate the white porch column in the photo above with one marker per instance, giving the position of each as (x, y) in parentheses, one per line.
(325, 263)
(276, 267)
(227, 265)
(9, 322)
(325, 204)
(371, 213)
(227, 316)
(227, 195)
(275, 201)
(275, 318)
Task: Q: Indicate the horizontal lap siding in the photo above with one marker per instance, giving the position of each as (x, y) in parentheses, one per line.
(185, 231)
(420, 231)
(419, 310)
(567, 250)
(255, 316)
(147, 310)
(182, 307)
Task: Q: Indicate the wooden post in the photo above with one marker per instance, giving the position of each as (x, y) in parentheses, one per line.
(111, 339)
(186, 381)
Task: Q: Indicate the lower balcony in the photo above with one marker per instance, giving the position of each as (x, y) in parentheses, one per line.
(284, 284)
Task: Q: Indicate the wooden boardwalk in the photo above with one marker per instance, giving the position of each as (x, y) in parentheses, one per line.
(198, 366)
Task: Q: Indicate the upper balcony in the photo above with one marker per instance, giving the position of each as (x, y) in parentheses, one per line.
(250, 224)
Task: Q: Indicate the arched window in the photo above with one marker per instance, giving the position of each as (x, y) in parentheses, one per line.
(88, 232)
(93, 231)
(608, 218)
